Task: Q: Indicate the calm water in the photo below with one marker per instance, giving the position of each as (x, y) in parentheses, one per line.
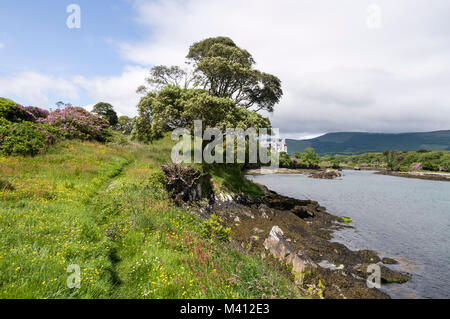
(398, 217)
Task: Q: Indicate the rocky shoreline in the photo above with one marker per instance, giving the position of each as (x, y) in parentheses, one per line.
(316, 173)
(434, 176)
(295, 235)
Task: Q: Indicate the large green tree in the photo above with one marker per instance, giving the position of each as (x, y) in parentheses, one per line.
(106, 111)
(174, 107)
(228, 71)
(224, 70)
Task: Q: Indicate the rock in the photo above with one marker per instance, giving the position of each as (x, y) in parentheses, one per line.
(389, 261)
(368, 256)
(303, 211)
(257, 230)
(327, 174)
(248, 214)
(387, 275)
(265, 211)
(236, 219)
(280, 248)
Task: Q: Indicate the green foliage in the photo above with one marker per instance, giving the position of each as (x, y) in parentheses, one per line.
(161, 76)
(285, 160)
(106, 111)
(174, 107)
(307, 160)
(430, 166)
(228, 178)
(213, 228)
(227, 71)
(231, 87)
(164, 254)
(446, 165)
(8, 109)
(21, 139)
(398, 160)
(125, 124)
(310, 158)
(5, 185)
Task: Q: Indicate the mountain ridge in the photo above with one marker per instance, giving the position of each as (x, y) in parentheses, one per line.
(362, 142)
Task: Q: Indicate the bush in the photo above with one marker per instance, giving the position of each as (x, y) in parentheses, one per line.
(21, 138)
(446, 165)
(76, 122)
(430, 166)
(8, 109)
(37, 112)
(125, 125)
(213, 228)
(23, 114)
(11, 111)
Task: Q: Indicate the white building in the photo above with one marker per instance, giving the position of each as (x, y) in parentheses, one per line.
(279, 144)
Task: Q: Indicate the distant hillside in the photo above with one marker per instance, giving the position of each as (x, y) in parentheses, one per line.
(355, 143)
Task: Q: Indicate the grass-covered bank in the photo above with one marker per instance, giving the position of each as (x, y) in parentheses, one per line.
(102, 207)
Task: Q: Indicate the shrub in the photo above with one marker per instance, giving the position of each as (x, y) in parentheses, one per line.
(21, 138)
(125, 125)
(430, 166)
(76, 122)
(14, 112)
(213, 228)
(8, 109)
(37, 112)
(23, 114)
(446, 165)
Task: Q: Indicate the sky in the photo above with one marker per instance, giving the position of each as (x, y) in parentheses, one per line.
(348, 65)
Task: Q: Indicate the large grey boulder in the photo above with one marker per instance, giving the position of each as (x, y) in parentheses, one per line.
(327, 174)
(280, 248)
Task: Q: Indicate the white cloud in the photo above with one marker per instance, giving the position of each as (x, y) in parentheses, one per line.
(34, 88)
(120, 91)
(337, 74)
(2, 45)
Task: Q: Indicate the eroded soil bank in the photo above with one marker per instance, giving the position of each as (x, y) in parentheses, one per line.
(307, 227)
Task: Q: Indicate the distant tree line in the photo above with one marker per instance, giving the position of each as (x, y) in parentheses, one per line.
(396, 160)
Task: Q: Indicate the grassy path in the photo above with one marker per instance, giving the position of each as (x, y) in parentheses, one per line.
(102, 207)
(47, 222)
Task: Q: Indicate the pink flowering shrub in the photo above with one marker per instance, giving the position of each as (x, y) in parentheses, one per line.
(363, 165)
(23, 114)
(416, 166)
(37, 112)
(77, 123)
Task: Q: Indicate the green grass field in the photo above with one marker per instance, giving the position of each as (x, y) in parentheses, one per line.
(102, 207)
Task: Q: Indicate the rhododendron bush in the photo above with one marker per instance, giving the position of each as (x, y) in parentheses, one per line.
(75, 122)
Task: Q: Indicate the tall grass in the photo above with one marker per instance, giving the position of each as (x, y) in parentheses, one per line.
(102, 207)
